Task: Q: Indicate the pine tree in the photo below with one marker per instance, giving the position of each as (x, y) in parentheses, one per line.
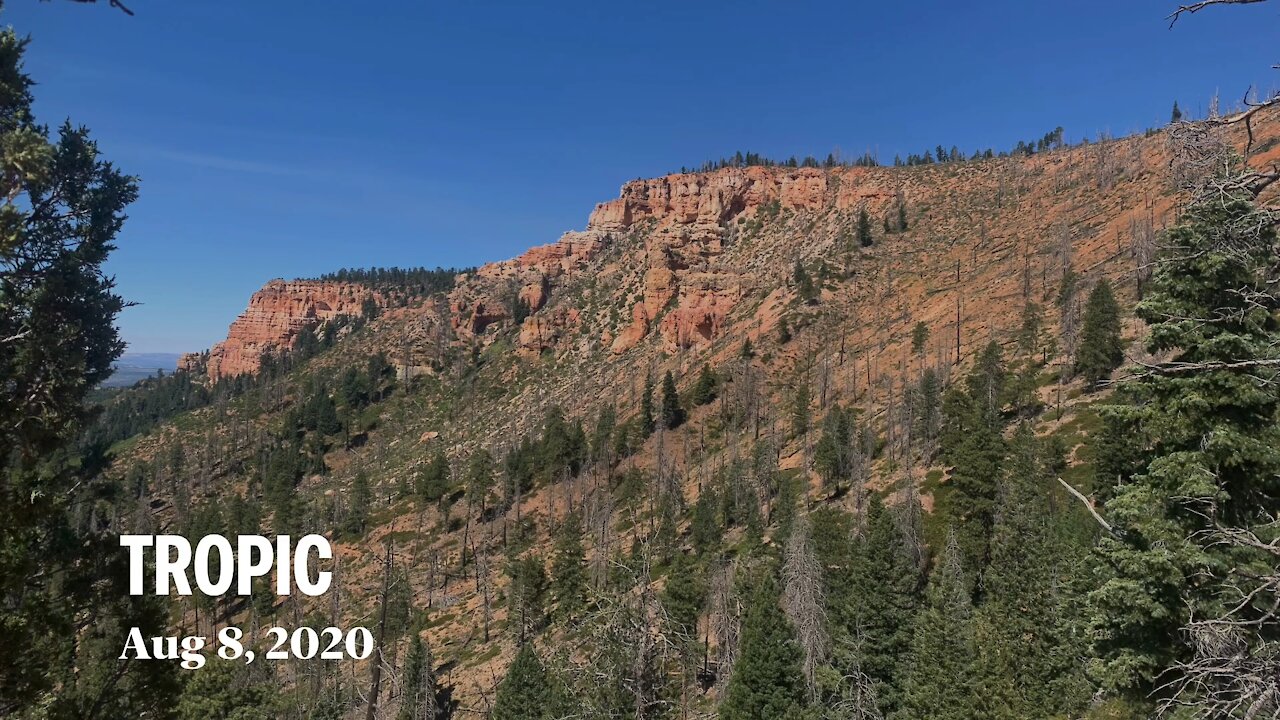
(568, 568)
(919, 338)
(1177, 113)
(706, 387)
(864, 228)
(884, 591)
(705, 526)
(479, 479)
(973, 444)
(1101, 349)
(683, 597)
(421, 696)
(832, 456)
(672, 413)
(358, 511)
(939, 679)
(800, 413)
(1210, 458)
(1028, 651)
(766, 680)
(525, 691)
(433, 479)
(805, 287)
(528, 594)
(63, 610)
(647, 423)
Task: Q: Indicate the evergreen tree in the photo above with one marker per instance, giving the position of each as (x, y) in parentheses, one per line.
(1101, 349)
(358, 511)
(832, 456)
(528, 593)
(902, 215)
(705, 527)
(706, 388)
(805, 287)
(63, 607)
(939, 680)
(1177, 113)
(672, 413)
(766, 680)
(1210, 465)
(479, 479)
(1029, 652)
(568, 568)
(683, 597)
(919, 338)
(973, 444)
(525, 691)
(884, 591)
(864, 228)
(433, 479)
(422, 699)
(227, 691)
(647, 423)
(800, 413)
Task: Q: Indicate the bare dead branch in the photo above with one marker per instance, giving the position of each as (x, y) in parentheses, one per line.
(1088, 504)
(1196, 7)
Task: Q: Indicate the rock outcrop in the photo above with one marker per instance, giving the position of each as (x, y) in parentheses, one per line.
(685, 222)
(275, 316)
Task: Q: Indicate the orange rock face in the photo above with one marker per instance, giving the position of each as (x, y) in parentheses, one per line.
(275, 316)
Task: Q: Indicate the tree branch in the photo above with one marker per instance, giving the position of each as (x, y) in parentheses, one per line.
(1088, 504)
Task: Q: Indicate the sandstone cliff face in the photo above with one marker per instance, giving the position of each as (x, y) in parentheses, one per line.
(275, 316)
(489, 295)
(687, 292)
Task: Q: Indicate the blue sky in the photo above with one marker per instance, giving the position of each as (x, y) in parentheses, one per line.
(285, 139)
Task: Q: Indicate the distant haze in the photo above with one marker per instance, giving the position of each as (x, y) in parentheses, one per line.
(132, 367)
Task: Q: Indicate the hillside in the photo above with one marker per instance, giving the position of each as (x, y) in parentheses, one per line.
(368, 425)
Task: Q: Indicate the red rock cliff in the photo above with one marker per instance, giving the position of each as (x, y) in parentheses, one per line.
(275, 316)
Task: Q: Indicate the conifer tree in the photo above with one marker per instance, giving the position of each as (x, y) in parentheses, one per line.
(832, 456)
(63, 611)
(919, 338)
(884, 592)
(973, 444)
(706, 387)
(683, 597)
(864, 228)
(705, 526)
(766, 680)
(1209, 462)
(800, 413)
(805, 287)
(647, 423)
(568, 568)
(939, 679)
(527, 603)
(1029, 653)
(1177, 113)
(672, 413)
(433, 479)
(479, 479)
(525, 691)
(421, 699)
(358, 510)
(1101, 349)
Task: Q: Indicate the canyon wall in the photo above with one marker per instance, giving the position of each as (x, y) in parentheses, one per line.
(275, 316)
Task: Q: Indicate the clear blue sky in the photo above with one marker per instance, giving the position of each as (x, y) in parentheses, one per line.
(286, 139)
